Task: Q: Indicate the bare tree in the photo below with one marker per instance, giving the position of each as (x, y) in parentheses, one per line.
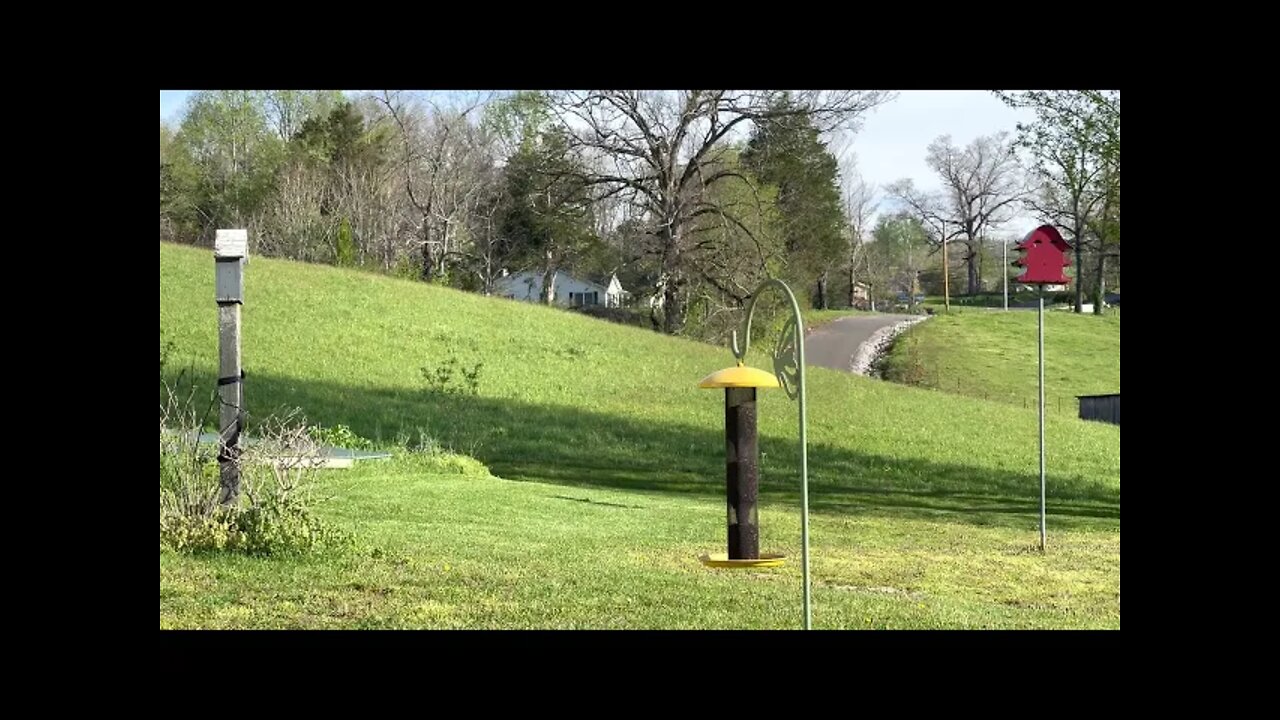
(287, 110)
(439, 150)
(316, 191)
(930, 209)
(981, 185)
(859, 205)
(296, 224)
(663, 150)
(491, 247)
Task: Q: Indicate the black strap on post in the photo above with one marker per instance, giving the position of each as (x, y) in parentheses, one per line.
(231, 450)
(231, 379)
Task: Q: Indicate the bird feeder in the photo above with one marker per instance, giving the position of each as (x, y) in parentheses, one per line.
(742, 465)
(742, 449)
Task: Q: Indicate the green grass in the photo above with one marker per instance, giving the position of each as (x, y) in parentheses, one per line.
(610, 478)
(451, 551)
(993, 355)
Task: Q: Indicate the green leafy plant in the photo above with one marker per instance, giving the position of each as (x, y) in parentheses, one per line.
(444, 378)
(339, 436)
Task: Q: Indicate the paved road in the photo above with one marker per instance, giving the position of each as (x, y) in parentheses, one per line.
(833, 345)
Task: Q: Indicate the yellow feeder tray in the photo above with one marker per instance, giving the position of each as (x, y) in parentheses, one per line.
(721, 560)
(739, 377)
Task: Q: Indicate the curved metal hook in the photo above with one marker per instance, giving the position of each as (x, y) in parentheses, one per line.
(741, 353)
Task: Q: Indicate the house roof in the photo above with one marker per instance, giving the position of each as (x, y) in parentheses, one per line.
(602, 283)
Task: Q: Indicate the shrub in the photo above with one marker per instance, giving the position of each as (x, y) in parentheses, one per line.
(272, 516)
(425, 453)
(339, 436)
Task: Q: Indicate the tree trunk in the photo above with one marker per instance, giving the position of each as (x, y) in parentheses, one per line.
(442, 257)
(971, 265)
(1079, 268)
(673, 308)
(549, 279)
(673, 301)
(852, 287)
(1102, 283)
(822, 291)
(428, 260)
(982, 256)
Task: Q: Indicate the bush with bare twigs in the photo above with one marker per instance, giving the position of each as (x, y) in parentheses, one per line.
(273, 513)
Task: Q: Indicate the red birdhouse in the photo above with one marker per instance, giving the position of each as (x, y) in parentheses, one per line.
(1044, 256)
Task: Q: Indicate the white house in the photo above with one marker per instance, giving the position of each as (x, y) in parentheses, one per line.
(569, 290)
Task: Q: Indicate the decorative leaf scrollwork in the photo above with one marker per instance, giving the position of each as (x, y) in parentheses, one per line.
(786, 359)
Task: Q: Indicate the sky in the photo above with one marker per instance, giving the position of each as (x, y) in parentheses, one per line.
(892, 142)
(894, 137)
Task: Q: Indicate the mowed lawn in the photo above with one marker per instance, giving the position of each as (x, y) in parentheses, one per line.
(992, 355)
(608, 478)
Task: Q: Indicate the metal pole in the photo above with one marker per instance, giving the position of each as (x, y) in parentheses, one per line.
(779, 362)
(1005, 265)
(1040, 343)
(804, 471)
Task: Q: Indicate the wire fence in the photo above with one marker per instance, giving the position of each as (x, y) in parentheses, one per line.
(1057, 403)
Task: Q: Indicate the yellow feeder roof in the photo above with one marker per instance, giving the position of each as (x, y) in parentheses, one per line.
(739, 377)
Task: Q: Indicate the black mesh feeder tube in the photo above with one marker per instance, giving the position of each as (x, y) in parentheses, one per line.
(742, 459)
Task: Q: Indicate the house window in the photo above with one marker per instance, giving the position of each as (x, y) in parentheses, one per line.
(591, 298)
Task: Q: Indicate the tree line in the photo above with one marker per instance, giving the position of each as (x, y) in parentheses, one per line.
(690, 197)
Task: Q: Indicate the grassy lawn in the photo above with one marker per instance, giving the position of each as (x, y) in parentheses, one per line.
(455, 551)
(992, 355)
(609, 465)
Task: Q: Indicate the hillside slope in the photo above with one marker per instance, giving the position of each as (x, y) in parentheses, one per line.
(570, 399)
(611, 477)
(993, 355)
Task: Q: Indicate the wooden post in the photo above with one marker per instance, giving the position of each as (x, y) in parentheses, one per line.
(229, 252)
